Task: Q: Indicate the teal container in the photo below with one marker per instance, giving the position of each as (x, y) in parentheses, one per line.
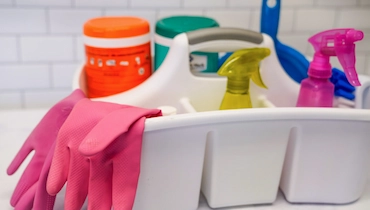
(167, 28)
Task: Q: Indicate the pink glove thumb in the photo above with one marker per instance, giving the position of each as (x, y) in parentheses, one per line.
(40, 140)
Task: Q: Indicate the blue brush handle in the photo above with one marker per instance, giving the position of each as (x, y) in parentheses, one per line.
(293, 62)
(270, 19)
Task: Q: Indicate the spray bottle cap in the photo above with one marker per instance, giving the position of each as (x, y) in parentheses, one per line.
(243, 65)
(335, 42)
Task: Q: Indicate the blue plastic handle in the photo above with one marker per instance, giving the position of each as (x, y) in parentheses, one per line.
(270, 19)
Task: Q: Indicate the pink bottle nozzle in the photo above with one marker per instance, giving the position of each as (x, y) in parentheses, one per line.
(340, 43)
(354, 35)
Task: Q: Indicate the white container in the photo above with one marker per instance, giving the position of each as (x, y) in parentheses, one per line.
(327, 160)
(171, 165)
(246, 149)
(243, 162)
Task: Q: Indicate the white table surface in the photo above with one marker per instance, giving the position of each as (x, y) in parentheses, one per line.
(15, 125)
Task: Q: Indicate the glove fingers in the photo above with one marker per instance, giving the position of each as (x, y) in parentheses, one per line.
(100, 186)
(103, 134)
(59, 168)
(124, 186)
(28, 179)
(44, 201)
(127, 167)
(22, 154)
(78, 183)
(26, 201)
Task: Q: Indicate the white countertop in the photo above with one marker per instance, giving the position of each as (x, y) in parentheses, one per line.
(15, 126)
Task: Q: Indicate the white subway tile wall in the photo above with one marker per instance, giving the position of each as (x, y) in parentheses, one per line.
(367, 65)
(300, 3)
(35, 99)
(173, 12)
(354, 17)
(336, 3)
(8, 49)
(43, 2)
(62, 73)
(314, 19)
(364, 2)
(149, 15)
(101, 3)
(46, 48)
(155, 4)
(285, 24)
(230, 18)
(80, 48)
(204, 3)
(6, 2)
(11, 100)
(24, 76)
(41, 40)
(244, 3)
(70, 21)
(22, 20)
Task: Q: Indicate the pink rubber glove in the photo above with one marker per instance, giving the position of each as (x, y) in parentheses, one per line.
(44, 201)
(40, 140)
(114, 148)
(68, 164)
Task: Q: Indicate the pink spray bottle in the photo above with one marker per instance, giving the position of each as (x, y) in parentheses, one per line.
(317, 90)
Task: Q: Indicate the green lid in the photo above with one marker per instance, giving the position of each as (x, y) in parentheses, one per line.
(171, 26)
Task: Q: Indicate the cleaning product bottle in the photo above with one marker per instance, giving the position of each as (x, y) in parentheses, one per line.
(167, 28)
(317, 90)
(117, 54)
(239, 68)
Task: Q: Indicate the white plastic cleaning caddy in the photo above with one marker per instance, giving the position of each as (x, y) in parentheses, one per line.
(240, 157)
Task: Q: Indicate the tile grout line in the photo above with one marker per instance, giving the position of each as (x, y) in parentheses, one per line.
(294, 30)
(251, 19)
(129, 4)
(156, 14)
(337, 14)
(74, 48)
(315, 3)
(50, 68)
(23, 99)
(228, 3)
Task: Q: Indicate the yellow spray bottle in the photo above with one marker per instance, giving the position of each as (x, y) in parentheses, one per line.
(239, 68)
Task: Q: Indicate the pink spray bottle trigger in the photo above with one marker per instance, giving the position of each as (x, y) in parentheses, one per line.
(340, 43)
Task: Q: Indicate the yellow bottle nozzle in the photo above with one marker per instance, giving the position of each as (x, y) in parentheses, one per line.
(244, 65)
(239, 68)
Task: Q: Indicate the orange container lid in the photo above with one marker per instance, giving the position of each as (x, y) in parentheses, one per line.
(116, 27)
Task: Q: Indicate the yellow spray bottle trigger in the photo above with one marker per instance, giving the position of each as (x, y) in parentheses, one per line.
(241, 67)
(244, 64)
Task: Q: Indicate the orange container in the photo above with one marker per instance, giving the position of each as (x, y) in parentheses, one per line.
(117, 54)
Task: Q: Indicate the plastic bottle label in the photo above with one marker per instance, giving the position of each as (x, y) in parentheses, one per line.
(114, 70)
(198, 63)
